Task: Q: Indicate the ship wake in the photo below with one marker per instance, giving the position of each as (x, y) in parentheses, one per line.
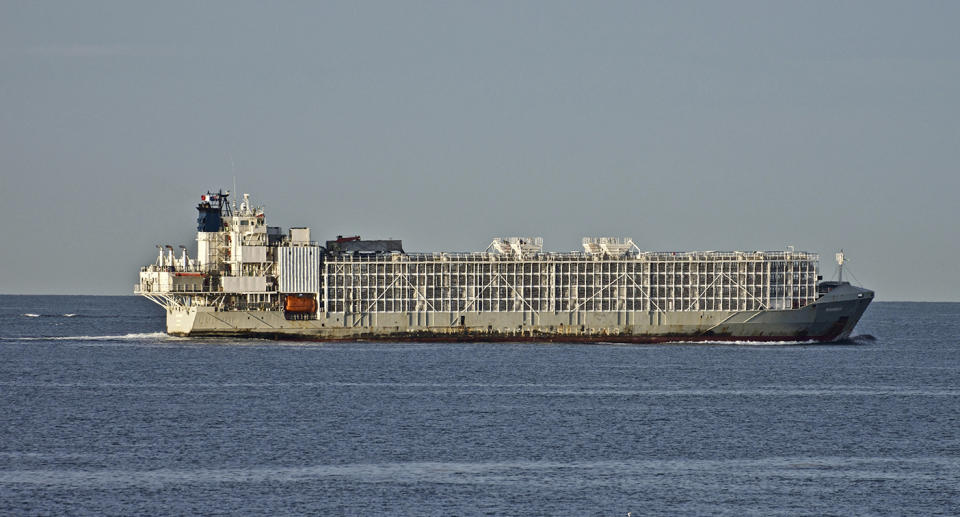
(147, 336)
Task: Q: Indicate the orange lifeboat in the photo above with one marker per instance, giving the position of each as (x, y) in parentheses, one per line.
(300, 304)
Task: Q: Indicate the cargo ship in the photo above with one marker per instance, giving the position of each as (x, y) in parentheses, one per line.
(249, 279)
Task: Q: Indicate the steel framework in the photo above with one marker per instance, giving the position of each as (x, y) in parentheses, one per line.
(569, 282)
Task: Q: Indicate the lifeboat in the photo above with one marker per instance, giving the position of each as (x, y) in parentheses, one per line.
(300, 304)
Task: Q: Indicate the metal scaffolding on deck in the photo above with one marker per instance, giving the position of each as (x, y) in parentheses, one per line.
(569, 282)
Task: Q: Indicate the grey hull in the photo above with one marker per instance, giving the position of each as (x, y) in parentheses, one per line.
(830, 318)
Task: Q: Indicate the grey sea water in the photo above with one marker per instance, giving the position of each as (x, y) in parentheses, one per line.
(103, 414)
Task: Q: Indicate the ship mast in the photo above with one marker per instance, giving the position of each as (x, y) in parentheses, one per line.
(840, 261)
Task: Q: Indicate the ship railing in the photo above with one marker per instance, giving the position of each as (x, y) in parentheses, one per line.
(178, 269)
(651, 256)
(144, 289)
(189, 289)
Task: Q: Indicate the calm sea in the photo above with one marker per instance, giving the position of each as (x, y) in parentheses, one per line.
(103, 414)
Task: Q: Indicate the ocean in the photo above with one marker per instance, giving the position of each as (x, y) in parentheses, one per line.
(104, 414)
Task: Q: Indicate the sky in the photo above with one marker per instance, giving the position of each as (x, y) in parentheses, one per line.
(684, 125)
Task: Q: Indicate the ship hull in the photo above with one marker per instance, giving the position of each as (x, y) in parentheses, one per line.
(831, 318)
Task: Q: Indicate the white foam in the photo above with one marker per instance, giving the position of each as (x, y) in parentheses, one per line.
(859, 338)
(69, 315)
(727, 342)
(124, 337)
(31, 315)
(680, 341)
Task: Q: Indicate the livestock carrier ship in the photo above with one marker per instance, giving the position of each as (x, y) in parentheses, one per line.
(253, 280)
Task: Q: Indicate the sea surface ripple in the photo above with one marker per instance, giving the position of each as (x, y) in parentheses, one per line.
(104, 414)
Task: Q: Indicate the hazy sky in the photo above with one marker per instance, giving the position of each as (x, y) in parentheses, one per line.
(685, 125)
